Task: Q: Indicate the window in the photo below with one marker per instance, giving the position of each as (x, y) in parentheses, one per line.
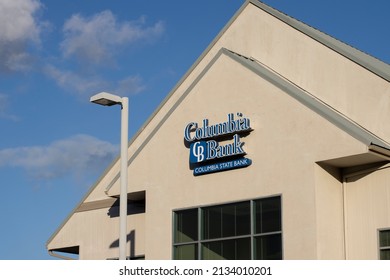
(186, 234)
(384, 244)
(235, 231)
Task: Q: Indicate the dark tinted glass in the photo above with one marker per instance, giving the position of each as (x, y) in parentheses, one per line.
(385, 254)
(186, 225)
(233, 249)
(268, 216)
(268, 247)
(243, 218)
(384, 238)
(186, 252)
(212, 222)
(226, 220)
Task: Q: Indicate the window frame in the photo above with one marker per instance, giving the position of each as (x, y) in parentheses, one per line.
(382, 248)
(252, 234)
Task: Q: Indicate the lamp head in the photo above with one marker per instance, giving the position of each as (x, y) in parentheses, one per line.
(106, 99)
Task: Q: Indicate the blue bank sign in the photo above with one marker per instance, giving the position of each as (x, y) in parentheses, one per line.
(207, 154)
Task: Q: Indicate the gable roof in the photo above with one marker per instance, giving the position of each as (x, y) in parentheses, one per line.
(370, 63)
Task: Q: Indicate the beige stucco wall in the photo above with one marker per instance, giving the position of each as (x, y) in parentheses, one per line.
(97, 234)
(368, 210)
(329, 213)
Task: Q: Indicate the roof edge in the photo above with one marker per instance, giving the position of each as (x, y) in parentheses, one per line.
(310, 101)
(365, 60)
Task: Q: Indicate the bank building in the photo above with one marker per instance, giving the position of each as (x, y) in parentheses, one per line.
(274, 145)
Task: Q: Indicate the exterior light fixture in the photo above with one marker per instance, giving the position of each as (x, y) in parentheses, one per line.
(108, 99)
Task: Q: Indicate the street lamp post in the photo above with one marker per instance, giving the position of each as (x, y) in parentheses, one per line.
(107, 99)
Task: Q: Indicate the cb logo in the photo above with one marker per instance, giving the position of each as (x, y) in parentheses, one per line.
(198, 152)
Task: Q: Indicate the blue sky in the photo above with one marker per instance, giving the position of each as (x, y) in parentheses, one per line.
(55, 54)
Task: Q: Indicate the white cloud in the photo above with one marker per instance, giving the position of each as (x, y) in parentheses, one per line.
(97, 38)
(130, 86)
(18, 29)
(75, 83)
(4, 104)
(76, 156)
(95, 42)
(85, 86)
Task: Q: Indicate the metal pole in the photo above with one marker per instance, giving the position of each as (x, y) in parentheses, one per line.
(123, 180)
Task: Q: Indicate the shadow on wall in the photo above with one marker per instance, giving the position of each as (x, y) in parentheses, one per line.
(129, 239)
(133, 207)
